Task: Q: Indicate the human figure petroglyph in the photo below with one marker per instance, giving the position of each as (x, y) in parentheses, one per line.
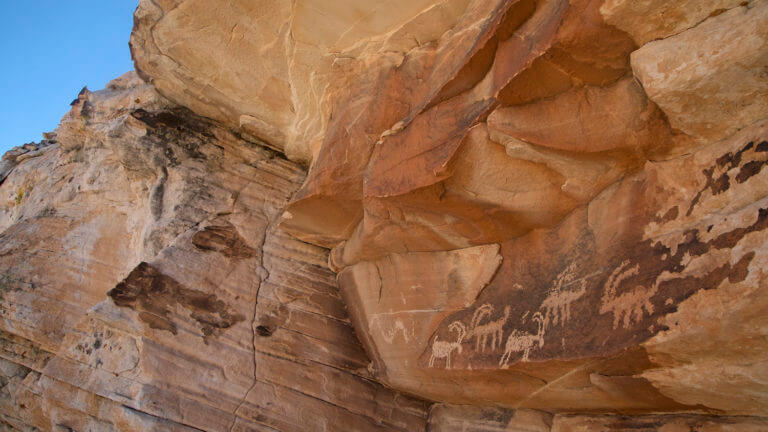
(628, 306)
(524, 342)
(557, 305)
(494, 329)
(443, 349)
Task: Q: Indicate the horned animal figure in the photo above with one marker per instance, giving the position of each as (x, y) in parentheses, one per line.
(628, 306)
(443, 349)
(389, 334)
(523, 342)
(494, 329)
(481, 312)
(557, 306)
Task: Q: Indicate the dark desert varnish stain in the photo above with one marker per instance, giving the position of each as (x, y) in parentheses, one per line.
(225, 240)
(718, 179)
(153, 294)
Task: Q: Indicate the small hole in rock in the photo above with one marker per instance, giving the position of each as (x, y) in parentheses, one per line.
(264, 331)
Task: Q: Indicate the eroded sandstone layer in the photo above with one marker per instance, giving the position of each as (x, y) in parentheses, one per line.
(133, 254)
(523, 215)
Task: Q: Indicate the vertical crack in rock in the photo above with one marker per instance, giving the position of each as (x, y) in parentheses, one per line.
(256, 328)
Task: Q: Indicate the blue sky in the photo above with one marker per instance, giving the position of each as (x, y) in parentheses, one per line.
(49, 50)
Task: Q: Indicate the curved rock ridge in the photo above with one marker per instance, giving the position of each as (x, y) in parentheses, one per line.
(523, 215)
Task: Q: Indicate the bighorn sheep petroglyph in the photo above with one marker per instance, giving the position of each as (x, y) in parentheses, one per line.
(628, 306)
(494, 329)
(443, 349)
(557, 306)
(523, 342)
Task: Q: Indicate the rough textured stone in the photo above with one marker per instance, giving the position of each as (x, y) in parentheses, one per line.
(453, 418)
(682, 423)
(175, 304)
(539, 213)
(647, 20)
(710, 80)
(305, 44)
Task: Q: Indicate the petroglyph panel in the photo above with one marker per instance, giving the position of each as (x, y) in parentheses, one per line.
(600, 283)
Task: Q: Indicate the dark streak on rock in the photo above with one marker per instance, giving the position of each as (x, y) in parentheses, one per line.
(718, 184)
(225, 240)
(670, 215)
(157, 195)
(750, 169)
(179, 126)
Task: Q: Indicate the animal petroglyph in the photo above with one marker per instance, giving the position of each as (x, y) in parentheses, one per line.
(557, 305)
(494, 329)
(390, 333)
(444, 349)
(628, 306)
(524, 342)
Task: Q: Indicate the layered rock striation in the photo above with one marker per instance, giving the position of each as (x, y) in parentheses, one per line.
(146, 286)
(534, 215)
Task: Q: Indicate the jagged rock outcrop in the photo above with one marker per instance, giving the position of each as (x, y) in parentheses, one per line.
(538, 215)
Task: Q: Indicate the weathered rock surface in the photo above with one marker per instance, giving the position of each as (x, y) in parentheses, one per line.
(544, 215)
(647, 20)
(710, 80)
(633, 276)
(679, 423)
(145, 285)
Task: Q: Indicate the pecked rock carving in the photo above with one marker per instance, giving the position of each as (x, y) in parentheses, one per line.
(631, 304)
(444, 349)
(557, 306)
(493, 329)
(518, 341)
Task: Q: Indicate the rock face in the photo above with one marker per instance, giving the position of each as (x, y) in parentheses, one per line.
(687, 79)
(483, 215)
(146, 287)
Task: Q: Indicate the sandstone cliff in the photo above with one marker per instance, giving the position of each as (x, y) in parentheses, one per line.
(414, 215)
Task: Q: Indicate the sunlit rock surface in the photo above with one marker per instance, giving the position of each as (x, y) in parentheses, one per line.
(145, 285)
(531, 215)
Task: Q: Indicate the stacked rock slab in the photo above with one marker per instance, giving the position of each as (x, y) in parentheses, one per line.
(542, 215)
